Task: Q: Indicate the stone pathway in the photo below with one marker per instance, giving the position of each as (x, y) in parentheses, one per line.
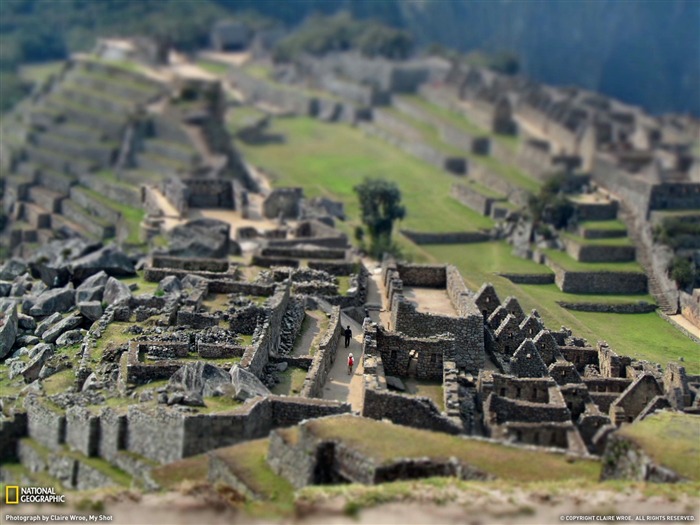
(339, 385)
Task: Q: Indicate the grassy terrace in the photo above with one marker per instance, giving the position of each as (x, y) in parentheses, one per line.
(460, 121)
(566, 262)
(330, 159)
(239, 117)
(378, 440)
(132, 216)
(615, 241)
(604, 225)
(670, 439)
(432, 137)
(39, 73)
(482, 190)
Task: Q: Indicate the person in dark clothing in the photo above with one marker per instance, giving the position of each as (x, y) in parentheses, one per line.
(348, 336)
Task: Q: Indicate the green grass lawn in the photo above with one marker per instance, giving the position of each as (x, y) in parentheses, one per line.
(568, 263)
(671, 439)
(379, 441)
(330, 159)
(132, 216)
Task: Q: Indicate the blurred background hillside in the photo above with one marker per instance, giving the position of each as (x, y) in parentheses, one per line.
(642, 52)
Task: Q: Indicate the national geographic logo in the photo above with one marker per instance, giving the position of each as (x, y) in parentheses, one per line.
(14, 495)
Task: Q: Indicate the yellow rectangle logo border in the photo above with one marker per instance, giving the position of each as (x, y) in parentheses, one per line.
(7, 494)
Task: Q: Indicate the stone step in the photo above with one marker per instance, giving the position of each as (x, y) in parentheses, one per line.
(46, 198)
(96, 226)
(60, 222)
(36, 216)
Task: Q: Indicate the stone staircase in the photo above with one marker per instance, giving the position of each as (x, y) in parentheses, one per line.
(644, 259)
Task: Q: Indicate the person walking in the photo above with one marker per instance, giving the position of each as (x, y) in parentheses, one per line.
(351, 363)
(348, 336)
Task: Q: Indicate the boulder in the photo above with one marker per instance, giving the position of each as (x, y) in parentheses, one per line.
(246, 385)
(68, 323)
(395, 383)
(91, 383)
(13, 268)
(8, 329)
(56, 300)
(26, 322)
(116, 292)
(5, 288)
(170, 284)
(46, 323)
(51, 274)
(92, 289)
(109, 259)
(199, 377)
(91, 310)
(39, 349)
(69, 338)
(27, 340)
(54, 365)
(200, 238)
(33, 368)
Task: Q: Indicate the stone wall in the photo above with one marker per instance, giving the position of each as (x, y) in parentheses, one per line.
(11, 431)
(45, 423)
(619, 283)
(82, 431)
(423, 275)
(624, 308)
(184, 434)
(267, 334)
(445, 237)
(324, 357)
(675, 196)
(302, 252)
(418, 412)
(529, 278)
(190, 263)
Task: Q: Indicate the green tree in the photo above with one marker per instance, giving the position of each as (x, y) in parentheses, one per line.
(682, 271)
(550, 206)
(380, 207)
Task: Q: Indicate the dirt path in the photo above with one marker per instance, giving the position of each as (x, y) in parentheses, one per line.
(339, 385)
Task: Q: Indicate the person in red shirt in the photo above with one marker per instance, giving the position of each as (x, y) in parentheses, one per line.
(351, 363)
